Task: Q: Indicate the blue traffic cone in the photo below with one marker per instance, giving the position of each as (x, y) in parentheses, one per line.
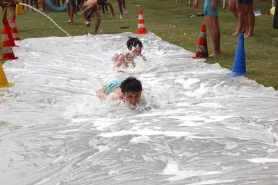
(239, 67)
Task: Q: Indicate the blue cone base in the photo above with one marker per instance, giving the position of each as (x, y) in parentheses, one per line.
(234, 74)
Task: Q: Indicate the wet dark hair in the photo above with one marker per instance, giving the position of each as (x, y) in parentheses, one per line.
(101, 2)
(133, 42)
(131, 84)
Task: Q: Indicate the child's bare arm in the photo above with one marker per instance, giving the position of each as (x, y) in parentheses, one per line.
(144, 58)
(100, 93)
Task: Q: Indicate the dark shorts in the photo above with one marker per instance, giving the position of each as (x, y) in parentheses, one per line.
(116, 59)
(72, 3)
(89, 14)
(245, 2)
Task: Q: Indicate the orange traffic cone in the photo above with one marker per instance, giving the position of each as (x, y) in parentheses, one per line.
(14, 30)
(202, 48)
(141, 24)
(9, 33)
(8, 53)
(3, 79)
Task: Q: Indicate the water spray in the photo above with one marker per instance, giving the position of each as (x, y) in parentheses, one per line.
(47, 17)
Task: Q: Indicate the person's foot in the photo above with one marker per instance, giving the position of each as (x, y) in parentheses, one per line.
(125, 12)
(248, 35)
(235, 34)
(121, 16)
(215, 54)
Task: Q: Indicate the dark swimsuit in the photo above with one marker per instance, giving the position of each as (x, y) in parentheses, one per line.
(89, 14)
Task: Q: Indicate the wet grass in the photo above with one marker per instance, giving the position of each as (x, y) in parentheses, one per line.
(170, 21)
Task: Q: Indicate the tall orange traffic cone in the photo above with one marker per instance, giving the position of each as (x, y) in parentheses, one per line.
(141, 24)
(14, 30)
(3, 79)
(8, 53)
(9, 33)
(202, 48)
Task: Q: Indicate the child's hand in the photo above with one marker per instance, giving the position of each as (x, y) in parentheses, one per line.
(100, 94)
(115, 68)
(144, 58)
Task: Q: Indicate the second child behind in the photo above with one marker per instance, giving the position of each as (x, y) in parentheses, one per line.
(135, 47)
(92, 7)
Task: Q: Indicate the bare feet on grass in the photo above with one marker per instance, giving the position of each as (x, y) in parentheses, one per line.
(215, 53)
(246, 35)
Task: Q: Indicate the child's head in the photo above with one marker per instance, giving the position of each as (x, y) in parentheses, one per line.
(134, 42)
(132, 90)
(100, 4)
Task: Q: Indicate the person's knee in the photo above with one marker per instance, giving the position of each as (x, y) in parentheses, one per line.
(233, 9)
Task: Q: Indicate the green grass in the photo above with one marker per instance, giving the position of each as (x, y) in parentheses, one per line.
(169, 20)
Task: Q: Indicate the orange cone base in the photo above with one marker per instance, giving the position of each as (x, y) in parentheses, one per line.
(197, 57)
(200, 56)
(9, 58)
(141, 31)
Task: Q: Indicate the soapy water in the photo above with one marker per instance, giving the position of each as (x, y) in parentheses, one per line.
(195, 124)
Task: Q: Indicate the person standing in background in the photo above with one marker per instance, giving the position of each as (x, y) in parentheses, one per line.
(71, 7)
(211, 20)
(245, 16)
(233, 6)
(121, 4)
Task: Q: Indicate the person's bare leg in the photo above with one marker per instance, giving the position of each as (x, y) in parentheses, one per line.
(97, 17)
(69, 11)
(233, 8)
(27, 2)
(250, 19)
(74, 9)
(12, 9)
(125, 10)
(240, 20)
(36, 3)
(120, 7)
(213, 24)
(43, 5)
(23, 1)
(245, 15)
